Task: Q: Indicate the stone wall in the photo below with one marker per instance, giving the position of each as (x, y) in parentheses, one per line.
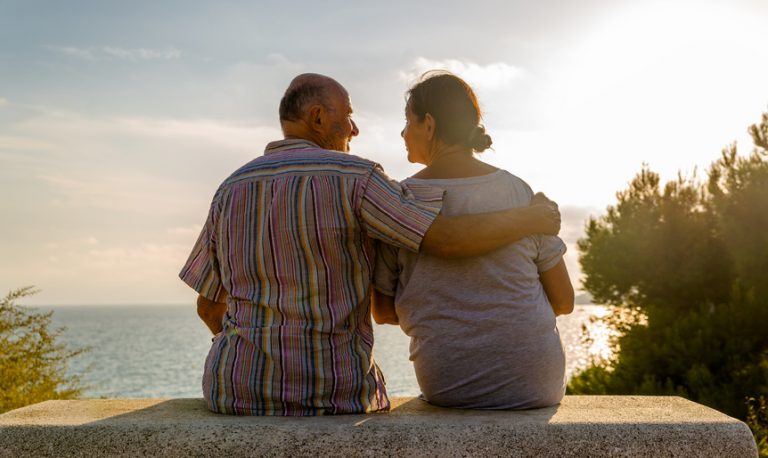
(593, 426)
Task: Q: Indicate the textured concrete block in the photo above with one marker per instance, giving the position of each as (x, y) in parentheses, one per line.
(594, 426)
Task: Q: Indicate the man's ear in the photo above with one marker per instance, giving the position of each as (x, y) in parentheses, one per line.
(430, 126)
(316, 120)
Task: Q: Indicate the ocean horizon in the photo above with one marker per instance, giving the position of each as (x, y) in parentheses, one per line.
(158, 351)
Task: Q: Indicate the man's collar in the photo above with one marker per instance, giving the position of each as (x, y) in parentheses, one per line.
(290, 144)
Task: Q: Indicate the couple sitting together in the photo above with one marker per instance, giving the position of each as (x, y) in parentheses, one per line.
(303, 244)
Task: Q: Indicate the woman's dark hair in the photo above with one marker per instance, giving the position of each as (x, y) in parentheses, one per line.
(453, 105)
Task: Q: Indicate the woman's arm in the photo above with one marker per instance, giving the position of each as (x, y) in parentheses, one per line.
(383, 308)
(558, 287)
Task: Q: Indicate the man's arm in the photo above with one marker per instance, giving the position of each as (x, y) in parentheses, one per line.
(383, 308)
(474, 235)
(212, 313)
(558, 287)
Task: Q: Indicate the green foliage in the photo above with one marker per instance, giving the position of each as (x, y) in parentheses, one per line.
(739, 190)
(655, 246)
(692, 257)
(757, 419)
(32, 362)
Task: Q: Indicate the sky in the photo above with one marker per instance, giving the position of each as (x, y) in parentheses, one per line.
(118, 120)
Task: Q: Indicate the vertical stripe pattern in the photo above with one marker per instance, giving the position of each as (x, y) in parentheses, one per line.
(289, 239)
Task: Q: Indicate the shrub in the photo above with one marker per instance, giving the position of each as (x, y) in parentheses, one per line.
(691, 257)
(757, 419)
(33, 361)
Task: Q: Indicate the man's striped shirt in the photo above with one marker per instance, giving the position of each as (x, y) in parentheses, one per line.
(289, 240)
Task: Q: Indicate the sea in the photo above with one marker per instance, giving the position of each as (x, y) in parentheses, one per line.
(159, 351)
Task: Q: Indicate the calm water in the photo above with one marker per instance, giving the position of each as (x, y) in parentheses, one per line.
(146, 351)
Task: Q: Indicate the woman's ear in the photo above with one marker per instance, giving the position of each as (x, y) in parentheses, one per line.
(430, 126)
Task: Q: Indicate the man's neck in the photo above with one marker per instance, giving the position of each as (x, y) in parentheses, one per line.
(297, 130)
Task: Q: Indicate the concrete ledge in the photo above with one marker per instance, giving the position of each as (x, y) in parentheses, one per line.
(594, 426)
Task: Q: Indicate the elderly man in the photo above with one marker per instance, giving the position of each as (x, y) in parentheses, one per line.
(283, 265)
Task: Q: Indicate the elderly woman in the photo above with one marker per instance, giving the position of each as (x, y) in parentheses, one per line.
(483, 329)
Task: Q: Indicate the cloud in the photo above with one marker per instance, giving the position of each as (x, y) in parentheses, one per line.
(99, 264)
(114, 52)
(56, 130)
(12, 142)
(574, 219)
(168, 168)
(147, 256)
(573, 229)
(3, 101)
(227, 134)
(185, 235)
(142, 53)
(116, 272)
(80, 53)
(129, 192)
(489, 77)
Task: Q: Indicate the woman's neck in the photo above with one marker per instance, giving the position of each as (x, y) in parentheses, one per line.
(450, 154)
(454, 162)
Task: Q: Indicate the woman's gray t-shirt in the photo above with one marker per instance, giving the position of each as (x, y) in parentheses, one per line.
(483, 334)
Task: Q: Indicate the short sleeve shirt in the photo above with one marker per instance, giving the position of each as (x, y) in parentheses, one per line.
(483, 334)
(289, 241)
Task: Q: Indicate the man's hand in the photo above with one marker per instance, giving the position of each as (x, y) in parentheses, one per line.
(212, 313)
(383, 308)
(546, 214)
(540, 199)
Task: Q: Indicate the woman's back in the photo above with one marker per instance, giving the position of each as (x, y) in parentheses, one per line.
(483, 334)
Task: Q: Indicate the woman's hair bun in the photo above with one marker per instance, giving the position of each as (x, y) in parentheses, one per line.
(479, 140)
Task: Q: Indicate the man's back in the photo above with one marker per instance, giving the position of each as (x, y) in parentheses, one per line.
(288, 238)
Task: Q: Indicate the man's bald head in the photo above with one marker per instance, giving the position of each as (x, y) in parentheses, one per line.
(317, 108)
(306, 90)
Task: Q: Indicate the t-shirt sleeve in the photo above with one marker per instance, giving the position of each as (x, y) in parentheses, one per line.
(393, 213)
(550, 248)
(386, 271)
(201, 271)
(551, 251)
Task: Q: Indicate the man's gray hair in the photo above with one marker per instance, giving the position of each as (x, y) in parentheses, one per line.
(298, 97)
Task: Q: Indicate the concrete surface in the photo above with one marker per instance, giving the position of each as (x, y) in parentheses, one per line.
(594, 426)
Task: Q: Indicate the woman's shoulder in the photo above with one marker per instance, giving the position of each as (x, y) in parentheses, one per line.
(492, 175)
(516, 183)
(499, 180)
